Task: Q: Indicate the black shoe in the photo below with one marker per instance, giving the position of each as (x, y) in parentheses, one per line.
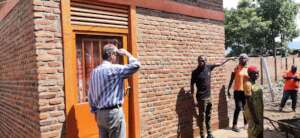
(280, 109)
(294, 110)
(210, 136)
(202, 136)
(235, 129)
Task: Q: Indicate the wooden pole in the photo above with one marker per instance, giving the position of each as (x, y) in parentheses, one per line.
(261, 71)
(265, 67)
(275, 61)
(293, 60)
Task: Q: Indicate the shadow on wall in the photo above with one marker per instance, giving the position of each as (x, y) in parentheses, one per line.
(223, 109)
(185, 110)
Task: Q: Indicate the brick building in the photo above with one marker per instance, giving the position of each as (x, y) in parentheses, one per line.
(49, 47)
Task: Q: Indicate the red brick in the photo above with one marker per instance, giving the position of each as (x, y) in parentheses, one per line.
(55, 101)
(50, 17)
(168, 46)
(47, 95)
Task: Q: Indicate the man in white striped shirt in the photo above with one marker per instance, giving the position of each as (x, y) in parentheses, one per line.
(106, 91)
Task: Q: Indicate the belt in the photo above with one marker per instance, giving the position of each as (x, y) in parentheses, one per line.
(111, 107)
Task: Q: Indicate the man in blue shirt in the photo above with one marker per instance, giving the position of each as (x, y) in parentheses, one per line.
(106, 91)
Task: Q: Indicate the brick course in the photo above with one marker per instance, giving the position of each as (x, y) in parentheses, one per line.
(168, 46)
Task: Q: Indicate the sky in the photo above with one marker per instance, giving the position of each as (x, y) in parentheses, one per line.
(294, 44)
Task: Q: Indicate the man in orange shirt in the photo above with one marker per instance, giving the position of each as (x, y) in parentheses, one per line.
(239, 76)
(291, 86)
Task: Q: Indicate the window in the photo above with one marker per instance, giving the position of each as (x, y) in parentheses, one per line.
(88, 56)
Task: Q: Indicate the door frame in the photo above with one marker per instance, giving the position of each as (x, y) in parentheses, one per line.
(80, 111)
(70, 72)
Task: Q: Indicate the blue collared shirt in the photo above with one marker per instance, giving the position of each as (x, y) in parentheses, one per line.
(106, 87)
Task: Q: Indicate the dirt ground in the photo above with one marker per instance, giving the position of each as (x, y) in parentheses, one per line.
(270, 111)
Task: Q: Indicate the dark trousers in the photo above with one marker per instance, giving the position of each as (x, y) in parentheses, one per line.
(240, 101)
(286, 96)
(204, 115)
(204, 106)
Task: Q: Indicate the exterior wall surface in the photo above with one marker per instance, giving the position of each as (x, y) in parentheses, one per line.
(18, 74)
(168, 47)
(31, 82)
(210, 4)
(49, 51)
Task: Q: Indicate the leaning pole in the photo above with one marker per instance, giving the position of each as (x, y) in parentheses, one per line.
(267, 73)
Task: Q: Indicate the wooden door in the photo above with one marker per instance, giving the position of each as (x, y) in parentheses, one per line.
(88, 56)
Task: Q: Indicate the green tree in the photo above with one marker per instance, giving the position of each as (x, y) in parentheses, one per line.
(244, 29)
(254, 25)
(282, 15)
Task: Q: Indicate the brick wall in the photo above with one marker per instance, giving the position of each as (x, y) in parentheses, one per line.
(210, 4)
(31, 82)
(49, 52)
(168, 46)
(18, 75)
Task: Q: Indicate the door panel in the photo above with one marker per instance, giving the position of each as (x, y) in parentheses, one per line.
(88, 56)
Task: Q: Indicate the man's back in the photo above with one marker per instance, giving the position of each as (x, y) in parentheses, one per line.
(107, 83)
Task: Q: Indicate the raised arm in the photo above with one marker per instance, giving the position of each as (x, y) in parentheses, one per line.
(221, 64)
(228, 59)
(132, 67)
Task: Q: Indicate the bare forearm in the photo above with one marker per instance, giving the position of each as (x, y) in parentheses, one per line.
(192, 90)
(225, 62)
(230, 82)
(221, 64)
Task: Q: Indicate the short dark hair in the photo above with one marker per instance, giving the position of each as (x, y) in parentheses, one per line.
(201, 58)
(108, 50)
(293, 67)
